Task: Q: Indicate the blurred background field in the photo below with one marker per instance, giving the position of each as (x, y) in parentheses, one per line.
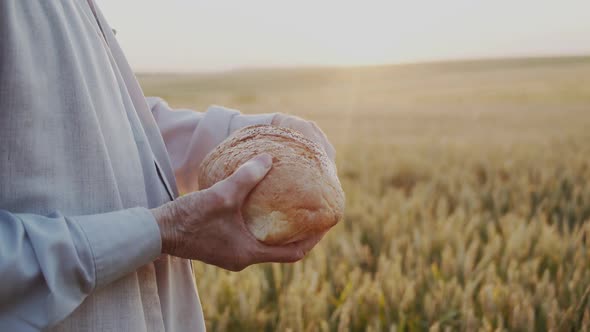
(468, 202)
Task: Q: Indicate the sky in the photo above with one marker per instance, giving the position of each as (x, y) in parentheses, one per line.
(216, 35)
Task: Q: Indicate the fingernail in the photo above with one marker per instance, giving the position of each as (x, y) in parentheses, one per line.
(265, 159)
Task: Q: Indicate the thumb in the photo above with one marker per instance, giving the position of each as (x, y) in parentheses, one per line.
(245, 178)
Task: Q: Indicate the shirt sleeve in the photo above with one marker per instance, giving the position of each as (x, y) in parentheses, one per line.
(190, 135)
(50, 264)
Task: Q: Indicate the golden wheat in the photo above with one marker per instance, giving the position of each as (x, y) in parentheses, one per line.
(468, 203)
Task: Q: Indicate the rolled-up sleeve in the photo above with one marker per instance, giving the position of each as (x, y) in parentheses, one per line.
(190, 135)
(49, 264)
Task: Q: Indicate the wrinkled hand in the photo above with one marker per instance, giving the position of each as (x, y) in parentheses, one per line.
(308, 128)
(207, 225)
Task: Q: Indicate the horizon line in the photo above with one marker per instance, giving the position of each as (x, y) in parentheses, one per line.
(450, 60)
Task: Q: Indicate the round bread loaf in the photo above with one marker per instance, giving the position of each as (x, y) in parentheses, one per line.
(299, 197)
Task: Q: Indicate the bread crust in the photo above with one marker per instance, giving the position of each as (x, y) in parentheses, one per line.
(299, 197)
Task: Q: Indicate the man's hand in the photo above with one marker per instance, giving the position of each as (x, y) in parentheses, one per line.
(308, 129)
(207, 225)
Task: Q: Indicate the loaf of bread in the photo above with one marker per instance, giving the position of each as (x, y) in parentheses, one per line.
(299, 197)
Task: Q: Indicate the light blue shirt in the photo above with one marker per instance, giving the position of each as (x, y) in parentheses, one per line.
(83, 155)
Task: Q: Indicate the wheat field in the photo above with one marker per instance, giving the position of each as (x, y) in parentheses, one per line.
(468, 198)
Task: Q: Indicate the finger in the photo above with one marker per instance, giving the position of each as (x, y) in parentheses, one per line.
(288, 253)
(237, 186)
(313, 133)
(278, 119)
(330, 151)
(328, 147)
(308, 244)
(309, 129)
